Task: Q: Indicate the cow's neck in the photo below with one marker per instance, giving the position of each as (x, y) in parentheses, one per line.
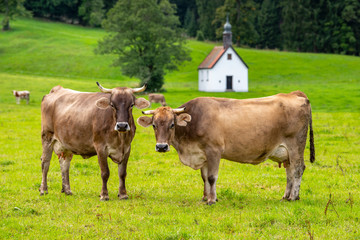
(176, 141)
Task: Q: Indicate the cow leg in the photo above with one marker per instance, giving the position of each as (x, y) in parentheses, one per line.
(64, 161)
(294, 174)
(45, 162)
(213, 162)
(105, 174)
(204, 176)
(296, 168)
(289, 182)
(17, 100)
(122, 175)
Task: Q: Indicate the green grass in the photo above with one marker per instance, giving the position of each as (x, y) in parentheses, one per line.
(165, 196)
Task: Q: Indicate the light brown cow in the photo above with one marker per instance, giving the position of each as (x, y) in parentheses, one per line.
(21, 95)
(88, 124)
(205, 129)
(157, 98)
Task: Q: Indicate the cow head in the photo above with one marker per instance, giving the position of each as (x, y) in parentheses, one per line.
(122, 100)
(164, 120)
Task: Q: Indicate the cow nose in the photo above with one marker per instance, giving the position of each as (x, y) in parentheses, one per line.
(122, 126)
(162, 147)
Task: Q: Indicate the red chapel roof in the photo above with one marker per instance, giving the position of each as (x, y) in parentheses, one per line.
(213, 57)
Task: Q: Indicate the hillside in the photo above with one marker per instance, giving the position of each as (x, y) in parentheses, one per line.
(41, 50)
(165, 195)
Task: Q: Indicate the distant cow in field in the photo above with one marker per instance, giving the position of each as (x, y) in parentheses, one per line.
(89, 124)
(157, 98)
(21, 95)
(205, 129)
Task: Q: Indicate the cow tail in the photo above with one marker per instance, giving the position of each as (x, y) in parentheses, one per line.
(312, 146)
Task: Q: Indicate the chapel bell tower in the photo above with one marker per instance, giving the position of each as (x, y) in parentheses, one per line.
(227, 35)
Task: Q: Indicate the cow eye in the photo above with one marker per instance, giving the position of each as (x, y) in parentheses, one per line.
(132, 105)
(154, 126)
(172, 125)
(112, 105)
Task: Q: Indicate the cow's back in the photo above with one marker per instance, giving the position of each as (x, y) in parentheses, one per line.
(245, 130)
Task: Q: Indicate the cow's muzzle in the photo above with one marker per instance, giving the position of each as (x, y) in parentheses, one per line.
(162, 147)
(122, 127)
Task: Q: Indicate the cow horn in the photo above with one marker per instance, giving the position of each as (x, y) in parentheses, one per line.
(148, 112)
(179, 110)
(136, 90)
(104, 90)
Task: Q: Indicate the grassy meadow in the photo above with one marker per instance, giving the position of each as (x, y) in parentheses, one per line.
(164, 195)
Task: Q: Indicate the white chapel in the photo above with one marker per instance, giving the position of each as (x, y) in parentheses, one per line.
(223, 69)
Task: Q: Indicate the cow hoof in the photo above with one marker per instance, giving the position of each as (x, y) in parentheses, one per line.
(210, 203)
(42, 193)
(286, 197)
(104, 198)
(123, 197)
(290, 198)
(67, 192)
(204, 199)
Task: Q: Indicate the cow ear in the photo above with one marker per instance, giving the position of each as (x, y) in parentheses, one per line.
(183, 119)
(103, 103)
(141, 103)
(144, 121)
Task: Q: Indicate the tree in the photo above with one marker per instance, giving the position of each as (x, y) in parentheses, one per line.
(351, 16)
(242, 14)
(190, 22)
(206, 10)
(296, 21)
(330, 26)
(145, 36)
(11, 9)
(182, 7)
(268, 24)
(91, 12)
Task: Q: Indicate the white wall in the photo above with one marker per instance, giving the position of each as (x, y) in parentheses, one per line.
(204, 79)
(214, 80)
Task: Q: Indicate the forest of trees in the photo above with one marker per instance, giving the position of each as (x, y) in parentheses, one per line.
(328, 26)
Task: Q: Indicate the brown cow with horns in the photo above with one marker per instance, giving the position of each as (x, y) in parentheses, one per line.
(88, 124)
(206, 129)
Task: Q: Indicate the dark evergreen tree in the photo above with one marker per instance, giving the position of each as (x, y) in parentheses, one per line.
(351, 16)
(242, 14)
(190, 24)
(182, 7)
(109, 4)
(296, 20)
(206, 11)
(268, 24)
(91, 12)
